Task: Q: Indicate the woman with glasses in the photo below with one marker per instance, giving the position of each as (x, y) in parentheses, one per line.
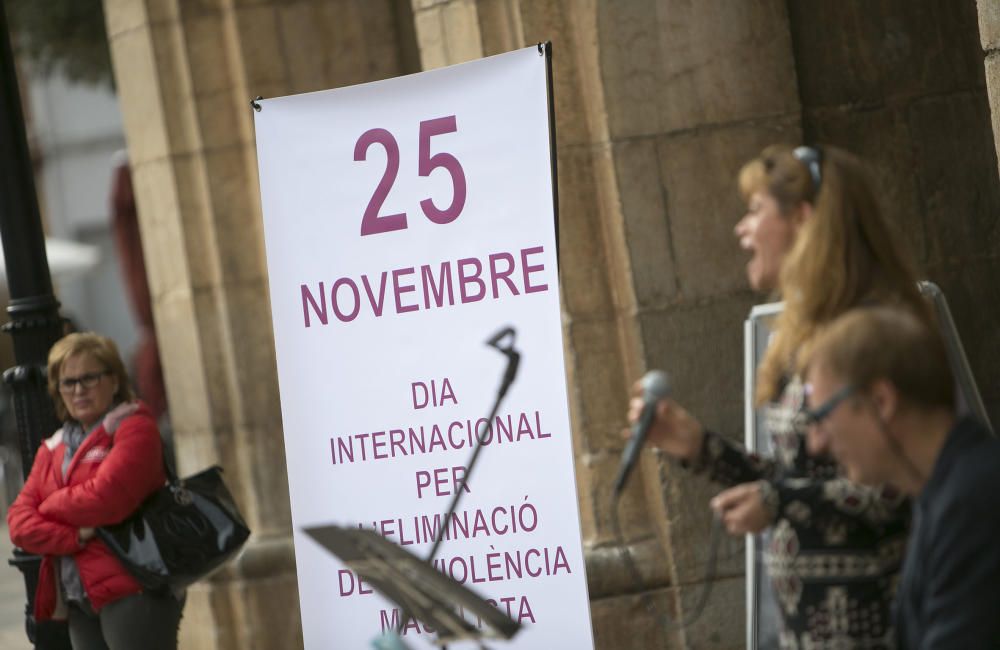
(817, 240)
(94, 471)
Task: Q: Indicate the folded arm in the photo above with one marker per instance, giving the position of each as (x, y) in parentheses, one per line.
(132, 470)
(30, 529)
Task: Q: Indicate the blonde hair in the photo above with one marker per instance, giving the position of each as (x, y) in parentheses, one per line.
(868, 344)
(102, 349)
(779, 173)
(844, 255)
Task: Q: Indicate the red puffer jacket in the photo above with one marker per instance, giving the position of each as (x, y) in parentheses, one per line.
(118, 465)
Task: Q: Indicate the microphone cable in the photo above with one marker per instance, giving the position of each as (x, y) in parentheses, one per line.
(711, 566)
(897, 449)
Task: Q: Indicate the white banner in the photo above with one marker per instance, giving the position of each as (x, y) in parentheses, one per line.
(405, 222)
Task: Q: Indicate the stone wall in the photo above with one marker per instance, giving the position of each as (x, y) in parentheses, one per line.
(185, 73)
(901, 83)
(657, 106)
(977, 286)
(658, 103)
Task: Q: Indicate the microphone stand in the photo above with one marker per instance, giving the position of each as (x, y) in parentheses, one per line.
(502, 341)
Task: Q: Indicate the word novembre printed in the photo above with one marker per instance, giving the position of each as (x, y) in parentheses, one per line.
(463, 282)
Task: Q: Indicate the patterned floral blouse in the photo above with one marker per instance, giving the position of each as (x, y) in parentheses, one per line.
(835, 549)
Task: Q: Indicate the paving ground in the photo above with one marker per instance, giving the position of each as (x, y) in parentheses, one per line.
(12, 635)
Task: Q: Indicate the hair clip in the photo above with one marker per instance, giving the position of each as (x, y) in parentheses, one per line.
(812, 158)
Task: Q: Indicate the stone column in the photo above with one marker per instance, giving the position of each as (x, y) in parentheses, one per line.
(185, 73)
(989, 35)
(657, 106)
(905, 90)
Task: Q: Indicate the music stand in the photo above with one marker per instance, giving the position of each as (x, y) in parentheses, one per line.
(421, 591)
(415, 585)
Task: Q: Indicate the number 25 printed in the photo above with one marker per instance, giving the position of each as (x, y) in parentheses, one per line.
(372, 223)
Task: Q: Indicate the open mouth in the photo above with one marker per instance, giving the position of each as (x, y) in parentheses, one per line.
(747, 246)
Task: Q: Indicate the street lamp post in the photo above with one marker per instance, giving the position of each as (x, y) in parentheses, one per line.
(35, 323)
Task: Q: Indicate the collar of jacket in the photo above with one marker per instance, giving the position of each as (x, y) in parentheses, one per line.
(111, 421)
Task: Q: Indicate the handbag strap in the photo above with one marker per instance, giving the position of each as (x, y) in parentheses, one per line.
(168, 467)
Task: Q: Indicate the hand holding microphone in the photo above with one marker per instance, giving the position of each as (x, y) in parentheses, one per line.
(667, 425)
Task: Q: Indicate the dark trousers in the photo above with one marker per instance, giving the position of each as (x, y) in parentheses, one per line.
(136, 621)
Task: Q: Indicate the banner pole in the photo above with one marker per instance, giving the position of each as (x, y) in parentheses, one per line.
(545, 49)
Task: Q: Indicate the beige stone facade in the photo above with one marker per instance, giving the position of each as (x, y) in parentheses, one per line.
(658, 102)
(185, 73)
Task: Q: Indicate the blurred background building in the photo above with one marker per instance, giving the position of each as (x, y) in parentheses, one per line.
(658, 103)
(75, 132)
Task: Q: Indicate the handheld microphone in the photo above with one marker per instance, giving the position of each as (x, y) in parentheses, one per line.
(655, 386)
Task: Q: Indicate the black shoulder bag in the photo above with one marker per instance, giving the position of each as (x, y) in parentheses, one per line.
(181, 533)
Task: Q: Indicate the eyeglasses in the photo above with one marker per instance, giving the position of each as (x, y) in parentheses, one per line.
(812, 158)
(87, 381)
(807, 417)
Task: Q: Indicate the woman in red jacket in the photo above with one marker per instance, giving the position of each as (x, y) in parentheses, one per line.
(94, 471)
